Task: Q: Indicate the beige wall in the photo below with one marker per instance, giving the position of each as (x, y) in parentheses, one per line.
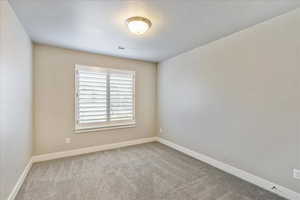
(15, 99)
(54, 99)
(238, 99)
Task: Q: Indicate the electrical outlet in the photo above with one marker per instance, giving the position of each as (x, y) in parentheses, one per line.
(274, 188)
(160, 130)
(68, 140)
(297, 173)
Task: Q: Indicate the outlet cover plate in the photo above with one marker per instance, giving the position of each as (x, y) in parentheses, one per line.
(67, 140)
(297, 173)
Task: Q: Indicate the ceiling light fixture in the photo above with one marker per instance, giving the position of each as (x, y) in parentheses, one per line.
(138, 25)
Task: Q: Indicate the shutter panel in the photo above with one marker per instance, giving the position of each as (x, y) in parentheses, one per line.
(91, 96)
(121, 96)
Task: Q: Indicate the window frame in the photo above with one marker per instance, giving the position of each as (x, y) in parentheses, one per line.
(79, 128)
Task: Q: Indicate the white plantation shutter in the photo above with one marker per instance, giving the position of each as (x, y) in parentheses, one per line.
(104, 97)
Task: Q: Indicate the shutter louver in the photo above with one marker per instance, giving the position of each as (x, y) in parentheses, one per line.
(104, 97)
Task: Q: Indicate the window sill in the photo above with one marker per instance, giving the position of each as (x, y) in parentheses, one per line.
(96, 129)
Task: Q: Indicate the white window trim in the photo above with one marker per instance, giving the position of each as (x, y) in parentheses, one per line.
(113, 125)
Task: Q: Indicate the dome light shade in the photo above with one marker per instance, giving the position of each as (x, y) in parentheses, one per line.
(138, 25)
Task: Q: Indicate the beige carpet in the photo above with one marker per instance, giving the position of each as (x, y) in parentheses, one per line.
(144, 172)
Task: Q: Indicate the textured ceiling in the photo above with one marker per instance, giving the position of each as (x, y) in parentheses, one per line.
(178, 25)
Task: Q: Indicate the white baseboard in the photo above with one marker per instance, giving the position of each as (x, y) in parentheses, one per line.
(263, 183)
(20, 181)
(75, 152)
(92, 149)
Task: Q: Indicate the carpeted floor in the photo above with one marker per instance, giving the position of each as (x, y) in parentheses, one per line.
(144, 172)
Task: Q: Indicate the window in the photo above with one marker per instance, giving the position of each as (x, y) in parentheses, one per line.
(104, 98)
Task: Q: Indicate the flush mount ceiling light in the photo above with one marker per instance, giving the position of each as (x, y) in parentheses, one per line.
(138, 25)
